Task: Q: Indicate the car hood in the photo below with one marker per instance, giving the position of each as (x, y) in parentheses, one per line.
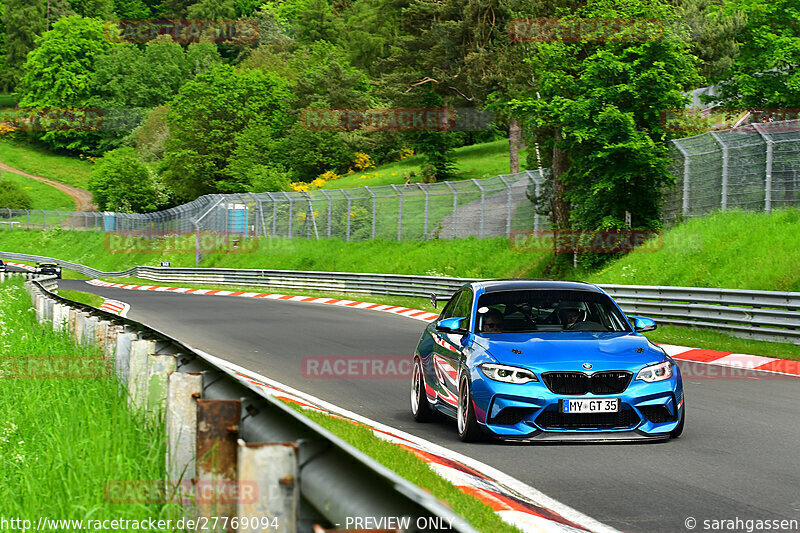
(569, 351)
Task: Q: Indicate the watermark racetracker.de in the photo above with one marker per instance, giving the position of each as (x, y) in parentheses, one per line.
(356, 367)
(397, 119)
(585, 241)
(584, 30)
(183, 31)
(155, 242)
(45, 367)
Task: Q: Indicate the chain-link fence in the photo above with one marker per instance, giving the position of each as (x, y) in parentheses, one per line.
(482, 208)
(754, 168)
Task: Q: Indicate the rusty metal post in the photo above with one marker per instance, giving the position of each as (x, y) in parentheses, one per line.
(181, 432)
(217, 435)
(269, 487)
(137, 373)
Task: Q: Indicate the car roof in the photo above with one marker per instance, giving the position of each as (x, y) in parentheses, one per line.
(498, 285)
(48, 264)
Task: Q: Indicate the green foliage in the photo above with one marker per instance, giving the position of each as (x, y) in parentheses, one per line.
(101, 9)
(765, 74)
(604, 96)
(212, 10)
(214, 115)
(132, 9)
(58, 74)
(122, 183)
(12, 196)
(24, 21)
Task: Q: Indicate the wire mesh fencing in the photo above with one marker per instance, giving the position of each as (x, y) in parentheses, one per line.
(480, 207)
(753, 168)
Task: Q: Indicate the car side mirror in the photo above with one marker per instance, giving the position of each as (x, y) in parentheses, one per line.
(643, 324)
(452, 325)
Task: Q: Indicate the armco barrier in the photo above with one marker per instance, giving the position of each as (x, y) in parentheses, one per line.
(311, 476)
(762, 315)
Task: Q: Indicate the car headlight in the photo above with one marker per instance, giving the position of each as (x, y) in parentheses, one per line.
(508, 374)
(658, 372)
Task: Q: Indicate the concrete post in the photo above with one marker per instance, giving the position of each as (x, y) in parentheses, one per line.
(181, 432)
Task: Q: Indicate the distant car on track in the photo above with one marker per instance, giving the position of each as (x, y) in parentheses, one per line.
(545, 360)
(3, 267)
(48, 269)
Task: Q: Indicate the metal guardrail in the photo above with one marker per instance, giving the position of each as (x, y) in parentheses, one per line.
(336, 481)
(761, 315)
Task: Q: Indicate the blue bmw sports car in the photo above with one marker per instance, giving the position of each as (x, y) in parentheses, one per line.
(545, 360)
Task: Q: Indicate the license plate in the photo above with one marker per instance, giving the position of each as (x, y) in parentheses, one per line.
(610, 405)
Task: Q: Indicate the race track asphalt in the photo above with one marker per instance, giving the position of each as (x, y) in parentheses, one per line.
(738, 456)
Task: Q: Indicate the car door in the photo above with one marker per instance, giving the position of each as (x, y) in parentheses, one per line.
(448, 349)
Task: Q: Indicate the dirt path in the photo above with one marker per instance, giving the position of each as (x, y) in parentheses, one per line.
(81, 197)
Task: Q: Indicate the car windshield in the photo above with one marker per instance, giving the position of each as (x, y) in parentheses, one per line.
(548, 310)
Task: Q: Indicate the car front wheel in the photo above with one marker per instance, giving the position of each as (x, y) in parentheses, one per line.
(468, 428)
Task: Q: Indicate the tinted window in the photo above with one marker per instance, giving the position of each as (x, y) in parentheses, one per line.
(449, 309)
(554, 310)
(464, 307)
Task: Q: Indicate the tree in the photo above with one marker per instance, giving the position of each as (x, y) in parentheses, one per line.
(766, 73)
(122, 183)
(132, 9)
(212, 10)
(24, 21)
(101, 9)
(58, 74)
(208, 120)
(602, 96)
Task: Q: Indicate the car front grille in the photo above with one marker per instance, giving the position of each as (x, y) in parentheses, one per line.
(575, 383)
(626, 418)
(510, 416)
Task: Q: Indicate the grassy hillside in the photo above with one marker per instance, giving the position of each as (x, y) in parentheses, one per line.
(40, 162)
(473, 162)
(734, 250)
(463, 257)
(44, 196)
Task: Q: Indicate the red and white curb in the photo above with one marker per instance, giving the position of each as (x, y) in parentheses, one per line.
(738, 361)
(515, 502)
(115, 306)
(20, 265)
(417, 314)
(683, 353)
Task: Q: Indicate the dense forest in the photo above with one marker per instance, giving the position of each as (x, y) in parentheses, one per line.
(218, 99)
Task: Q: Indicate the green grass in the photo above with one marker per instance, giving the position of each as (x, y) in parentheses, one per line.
(407, 465)
(38, 161)
(82, 297)
(64, 439)
(7, 101)
(714, 340)
(473, 162)
(44, 196)
(733, 250)
(471, 257)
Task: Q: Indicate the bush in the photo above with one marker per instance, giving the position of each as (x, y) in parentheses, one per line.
(13, 197)
(122, 183)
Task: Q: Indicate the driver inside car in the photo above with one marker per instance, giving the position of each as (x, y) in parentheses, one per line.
(491, 321)
(570, 315)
